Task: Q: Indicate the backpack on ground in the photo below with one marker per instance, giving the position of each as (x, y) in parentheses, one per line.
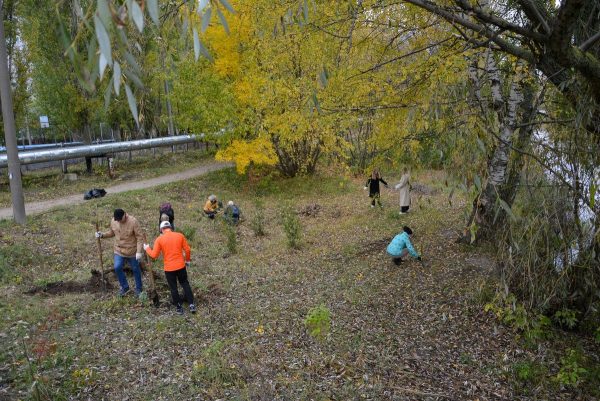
(94, 193)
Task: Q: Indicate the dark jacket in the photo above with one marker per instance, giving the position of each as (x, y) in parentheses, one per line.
(373, 185)
(170, 213)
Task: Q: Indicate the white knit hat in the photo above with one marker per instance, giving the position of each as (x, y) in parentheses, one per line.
(165, 224)
(230, 203)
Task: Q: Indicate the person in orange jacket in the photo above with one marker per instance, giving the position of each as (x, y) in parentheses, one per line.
(173, 246)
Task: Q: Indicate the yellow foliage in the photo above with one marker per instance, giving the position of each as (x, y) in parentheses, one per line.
(242, 153)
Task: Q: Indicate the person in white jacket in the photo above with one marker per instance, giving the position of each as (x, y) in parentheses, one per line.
(404, 187)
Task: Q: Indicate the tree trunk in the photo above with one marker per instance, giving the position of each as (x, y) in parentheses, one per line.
(10, 132)
(487, 215)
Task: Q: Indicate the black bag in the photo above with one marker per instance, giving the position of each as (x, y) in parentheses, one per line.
(94, 193)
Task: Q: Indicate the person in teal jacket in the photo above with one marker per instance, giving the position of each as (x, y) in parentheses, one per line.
(401, 245)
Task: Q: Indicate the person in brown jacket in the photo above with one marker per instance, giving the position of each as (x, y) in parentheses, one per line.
(128, 247)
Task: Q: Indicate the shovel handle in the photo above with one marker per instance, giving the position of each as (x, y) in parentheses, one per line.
(100, 256)
(148, 264)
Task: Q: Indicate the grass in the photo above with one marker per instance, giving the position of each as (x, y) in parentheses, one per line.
(386, 330)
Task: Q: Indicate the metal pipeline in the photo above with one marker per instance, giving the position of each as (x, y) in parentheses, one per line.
(75, 152)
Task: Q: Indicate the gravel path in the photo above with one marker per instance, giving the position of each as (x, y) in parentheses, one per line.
(39, 207)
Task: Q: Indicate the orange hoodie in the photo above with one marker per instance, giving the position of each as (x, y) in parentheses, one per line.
(172, 245)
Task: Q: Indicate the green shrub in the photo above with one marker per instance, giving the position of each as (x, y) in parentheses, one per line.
(292, 227)
(258, 219)
(566, 318)
(189, 233)
(571, 372)
(231, 235)
(508, 311)
(528, 372)
(318, 322)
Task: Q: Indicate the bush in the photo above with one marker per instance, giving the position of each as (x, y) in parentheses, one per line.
(231, 235)
(292, 227)
(571, 372)
(189, 233)
(566, 318)
(258, 219)
(318, 322)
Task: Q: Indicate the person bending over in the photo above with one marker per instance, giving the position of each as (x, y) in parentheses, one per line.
(401, 246)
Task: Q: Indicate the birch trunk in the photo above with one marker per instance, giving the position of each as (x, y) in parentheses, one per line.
(486, 216)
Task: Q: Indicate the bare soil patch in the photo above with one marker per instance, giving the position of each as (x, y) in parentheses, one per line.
(93, 285)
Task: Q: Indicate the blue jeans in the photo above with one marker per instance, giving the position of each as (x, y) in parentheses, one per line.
(137, 273)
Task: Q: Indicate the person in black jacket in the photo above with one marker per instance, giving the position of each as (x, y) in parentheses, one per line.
(373, 185)
(166, 213)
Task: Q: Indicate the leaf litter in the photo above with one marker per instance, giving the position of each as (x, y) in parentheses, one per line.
(398, 333)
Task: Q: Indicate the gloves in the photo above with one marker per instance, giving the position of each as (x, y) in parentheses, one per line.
(187, 265)
(419, 259)
(146, 246)
(98, 234)
(365, 188)
(138, 256)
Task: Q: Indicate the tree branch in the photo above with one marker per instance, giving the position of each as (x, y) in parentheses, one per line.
(484, 16)
(400, 57)
(480, 29)
(534, 14)
(590, 42)
(560, 39)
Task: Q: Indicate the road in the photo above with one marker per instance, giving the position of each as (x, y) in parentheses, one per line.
(39, 207)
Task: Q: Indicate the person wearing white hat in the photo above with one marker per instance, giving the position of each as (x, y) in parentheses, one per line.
(174, 247)
(232, 213)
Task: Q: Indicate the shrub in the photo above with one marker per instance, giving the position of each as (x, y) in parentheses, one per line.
(571, 372)
(189, 233)
(566, 318)
(231, 235)
(318, 322)
(258, 219)
(292, 227)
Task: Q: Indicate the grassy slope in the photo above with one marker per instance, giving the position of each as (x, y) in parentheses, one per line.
(397, 333)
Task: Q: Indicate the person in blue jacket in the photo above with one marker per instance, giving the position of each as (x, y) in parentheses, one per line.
(401, 246)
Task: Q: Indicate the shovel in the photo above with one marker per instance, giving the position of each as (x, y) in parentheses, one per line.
(153, 293)
(100, 255)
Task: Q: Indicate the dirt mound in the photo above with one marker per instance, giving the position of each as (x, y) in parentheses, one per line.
(211, 294)
(422, 189)
(311, 210)
(93, 285)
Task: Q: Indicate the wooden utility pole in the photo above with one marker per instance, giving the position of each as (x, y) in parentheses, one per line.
(10, 131)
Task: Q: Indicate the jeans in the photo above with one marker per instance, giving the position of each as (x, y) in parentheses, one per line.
(137, 273)
(172, 278)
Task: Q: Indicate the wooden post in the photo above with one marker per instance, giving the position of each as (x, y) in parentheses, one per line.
(111, 167)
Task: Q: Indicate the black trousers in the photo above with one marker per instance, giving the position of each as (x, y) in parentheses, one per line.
(172, 278)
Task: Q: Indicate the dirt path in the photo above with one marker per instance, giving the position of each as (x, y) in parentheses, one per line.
(39, 207)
